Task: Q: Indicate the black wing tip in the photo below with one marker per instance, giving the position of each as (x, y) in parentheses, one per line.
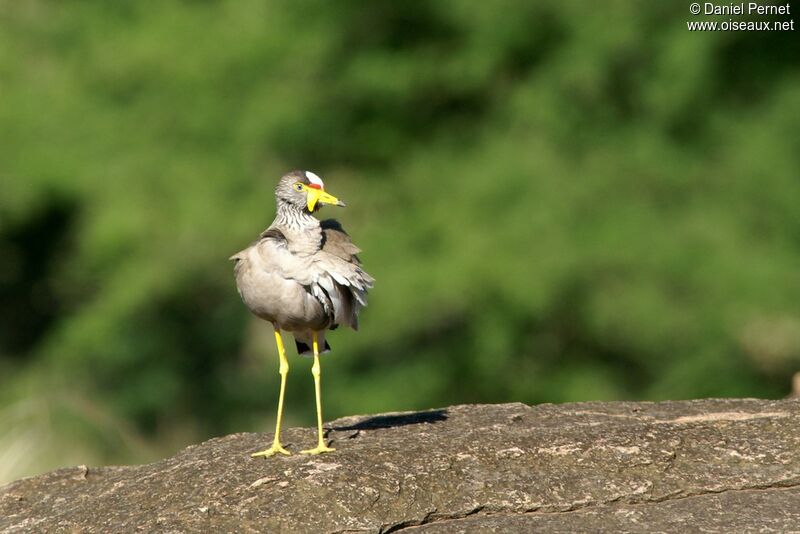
(304, 350)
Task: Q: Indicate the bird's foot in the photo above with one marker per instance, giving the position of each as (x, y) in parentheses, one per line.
(319, 449)
(275, 449)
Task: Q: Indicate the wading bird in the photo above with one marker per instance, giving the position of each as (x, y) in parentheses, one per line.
(303, 276)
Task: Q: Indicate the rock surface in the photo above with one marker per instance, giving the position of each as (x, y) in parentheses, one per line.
(706, 465)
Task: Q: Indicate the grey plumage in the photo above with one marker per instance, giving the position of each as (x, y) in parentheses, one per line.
(301, 274)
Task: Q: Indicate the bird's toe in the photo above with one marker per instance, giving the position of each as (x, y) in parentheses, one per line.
(319, 449)
(275, 449)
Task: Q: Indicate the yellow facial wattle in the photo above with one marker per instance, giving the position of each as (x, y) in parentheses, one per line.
(316, 196)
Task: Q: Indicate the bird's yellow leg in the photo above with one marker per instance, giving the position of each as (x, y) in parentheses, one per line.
(283, 370)
(315, 370)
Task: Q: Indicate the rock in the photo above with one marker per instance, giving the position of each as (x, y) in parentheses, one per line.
(710, 465)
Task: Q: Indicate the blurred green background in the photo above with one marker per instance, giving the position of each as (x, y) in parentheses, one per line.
(559, 202)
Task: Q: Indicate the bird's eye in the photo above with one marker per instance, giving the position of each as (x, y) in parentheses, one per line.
(298, 186)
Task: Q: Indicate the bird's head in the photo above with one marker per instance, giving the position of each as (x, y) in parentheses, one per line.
(304, 190)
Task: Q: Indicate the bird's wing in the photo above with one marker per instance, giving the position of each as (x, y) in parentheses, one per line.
(337, 242)
(340, 276)
(270, 254)
(271, 235)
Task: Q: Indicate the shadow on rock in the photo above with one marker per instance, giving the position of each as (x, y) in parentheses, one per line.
(389, 421)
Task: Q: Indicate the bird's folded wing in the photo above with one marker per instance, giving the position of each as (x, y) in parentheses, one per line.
(273, 255)
(338, 258)
(336, 241)
(341, 277)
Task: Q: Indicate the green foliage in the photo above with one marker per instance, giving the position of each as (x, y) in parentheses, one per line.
(558, 203)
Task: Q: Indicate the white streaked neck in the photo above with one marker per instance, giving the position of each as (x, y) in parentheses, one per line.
(291, 218)
(302, 231)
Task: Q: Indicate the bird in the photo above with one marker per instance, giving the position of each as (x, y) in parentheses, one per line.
(303, 276)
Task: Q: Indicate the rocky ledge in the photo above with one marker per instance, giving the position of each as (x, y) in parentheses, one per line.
(704, 465)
